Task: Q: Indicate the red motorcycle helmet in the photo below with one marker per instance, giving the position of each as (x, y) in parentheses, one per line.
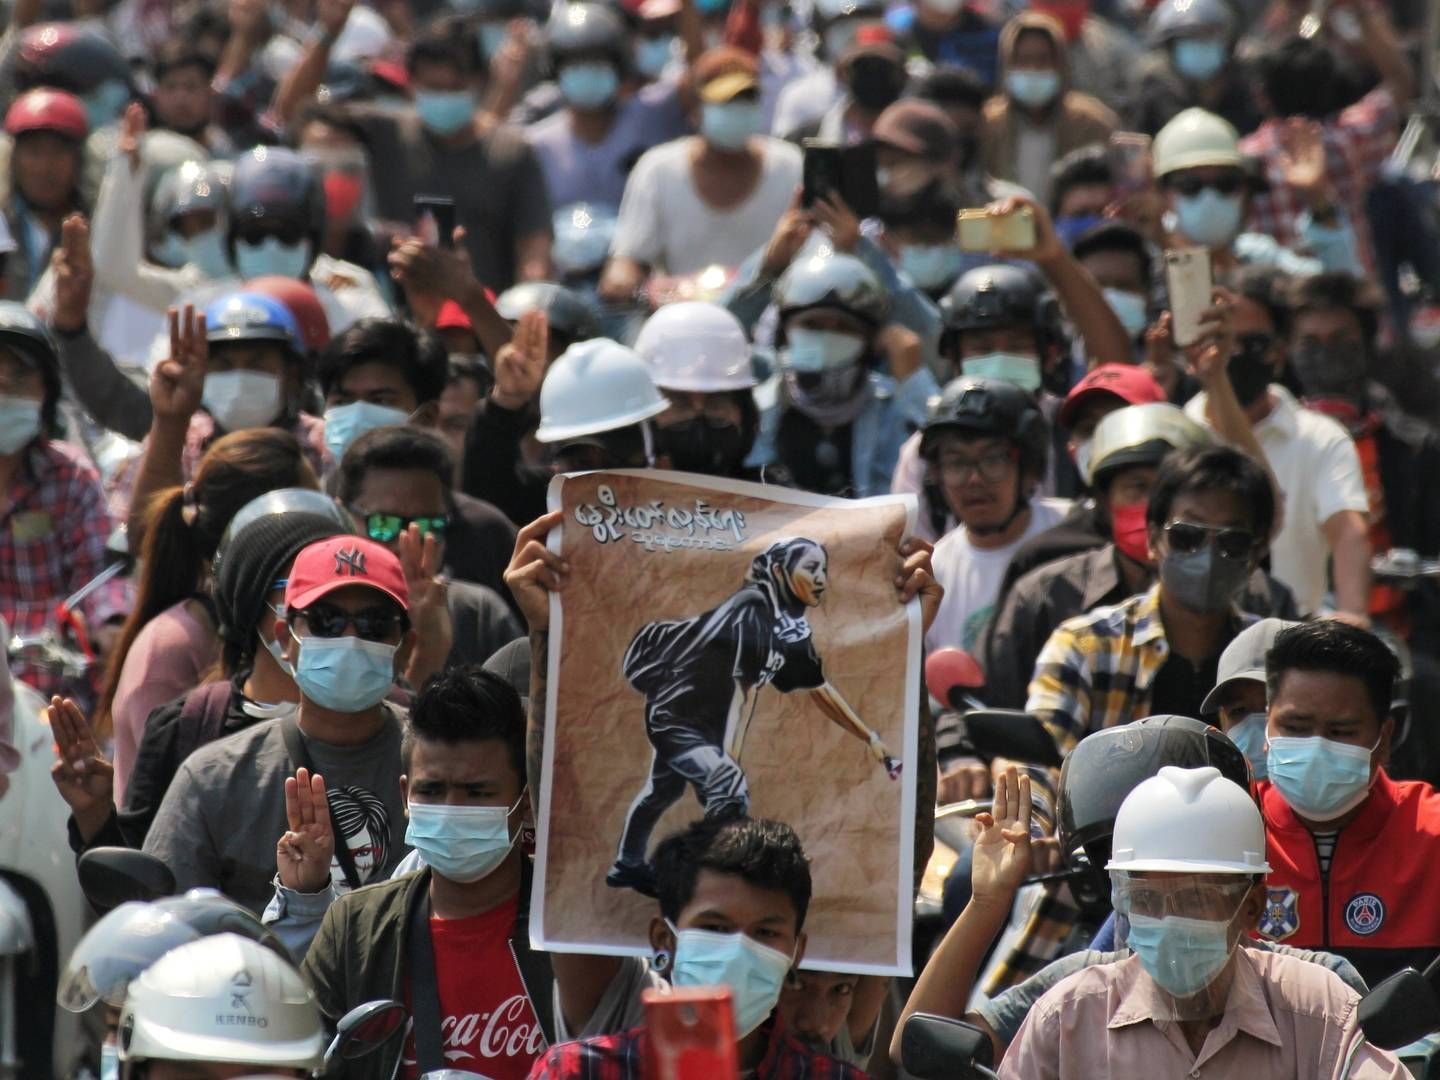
(300, 298)
(47, 110)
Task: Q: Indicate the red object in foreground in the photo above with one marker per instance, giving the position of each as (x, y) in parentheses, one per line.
(690, 1034)
(950, 669)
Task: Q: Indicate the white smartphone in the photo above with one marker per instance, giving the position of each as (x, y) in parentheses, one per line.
(1187, 275)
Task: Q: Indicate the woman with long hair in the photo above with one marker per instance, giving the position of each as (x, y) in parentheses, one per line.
(170, 641)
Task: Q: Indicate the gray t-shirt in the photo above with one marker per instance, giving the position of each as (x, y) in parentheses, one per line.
(225, 810)
(1006, 1012)
(482, 622)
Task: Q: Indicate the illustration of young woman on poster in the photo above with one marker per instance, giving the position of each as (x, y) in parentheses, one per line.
(701, 678)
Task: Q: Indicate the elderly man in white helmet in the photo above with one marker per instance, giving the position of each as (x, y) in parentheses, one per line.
(218, 1008)
(1187, 878)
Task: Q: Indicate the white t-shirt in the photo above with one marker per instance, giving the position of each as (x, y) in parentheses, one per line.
(665, 224)
(971, 577)
(1318, 469)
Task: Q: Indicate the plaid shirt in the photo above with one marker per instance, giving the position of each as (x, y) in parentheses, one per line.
(53, 528)
(1357, 142)
(622, 1057)
(310, 430)
(1041, 938)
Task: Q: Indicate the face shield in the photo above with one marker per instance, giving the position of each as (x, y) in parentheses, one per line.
(1184, 929)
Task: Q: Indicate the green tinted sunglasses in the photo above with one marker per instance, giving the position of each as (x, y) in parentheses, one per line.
(383, 528)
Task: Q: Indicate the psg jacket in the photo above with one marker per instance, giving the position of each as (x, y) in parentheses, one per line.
(1379, 905)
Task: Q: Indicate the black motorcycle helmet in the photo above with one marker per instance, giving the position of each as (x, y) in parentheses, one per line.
(275, 185)
(990, 408)
(571, 318)
(31, 340)
(580, 30)
(1107, 765)
(990, 297)
(76, 59)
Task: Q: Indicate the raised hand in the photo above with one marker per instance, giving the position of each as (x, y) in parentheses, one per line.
(917, 578)
(535, 571)
(791, 232)
(332, 14)
(1049, 248)
(304, 854)
(1209, 356)
(74, 273)
(177, 384)
(520, 365)
(903, 350)
(429, 607)
(1302, 155)
(964, 780)
(1001, 859)
(82, 775)
(132, 134)
(839, 221)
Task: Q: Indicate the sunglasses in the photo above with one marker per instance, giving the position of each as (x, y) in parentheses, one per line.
(383, 528)
(1186, 537)
(372, 624)
(1190, 186)
(288, 233)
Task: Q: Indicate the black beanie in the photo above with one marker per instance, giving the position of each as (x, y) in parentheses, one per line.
(253, 559)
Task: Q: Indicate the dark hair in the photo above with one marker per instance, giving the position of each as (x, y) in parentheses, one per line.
(417, 354)
(952, 86)
(183, 526)
(932, 206)
(1115, 236)
(1213, 468)
(445, 41)
(1266, 286)
(1336, 648)
(1089, 164)
(466, 704)
(766, 854)
(399, 446)
(178, 52)
(1297, 76)
(331, 116)
(1337, 289)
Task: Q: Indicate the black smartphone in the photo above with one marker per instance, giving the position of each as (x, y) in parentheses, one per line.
(848, 170)
(435, 219)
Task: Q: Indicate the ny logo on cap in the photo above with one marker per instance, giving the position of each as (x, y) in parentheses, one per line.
(352, 560)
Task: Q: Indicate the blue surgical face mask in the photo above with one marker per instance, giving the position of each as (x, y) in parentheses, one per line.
(1033, 89)
(653, 55)
(931, 266)
(272, 256)
(1321, 779)
(491, 36)
(110, 1062)
(1023, 371)
(728, 125)
(589, 85)
(1249, 736)
(206, 252)
(1209, 218)
(1199, 59)
(1182, 955)
(1072, 227)
(1130, 308)
(462, 843)
(104, 103)
(170, 251)
(346, 423)
(347, 674)
(238, 400)
(445, 111)
(753, 972)
(808, 351)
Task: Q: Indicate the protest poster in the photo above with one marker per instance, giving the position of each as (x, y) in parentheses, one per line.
(728, 645)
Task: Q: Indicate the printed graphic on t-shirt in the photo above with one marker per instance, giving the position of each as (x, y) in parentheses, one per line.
(361, 820)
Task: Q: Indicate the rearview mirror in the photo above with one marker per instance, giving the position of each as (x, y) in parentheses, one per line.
(1400, 1010)
(109, 876)
(365, 1029)
(938, 1048)
(1010, 733)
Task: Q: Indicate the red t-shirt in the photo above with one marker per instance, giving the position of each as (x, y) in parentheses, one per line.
(487, 1024)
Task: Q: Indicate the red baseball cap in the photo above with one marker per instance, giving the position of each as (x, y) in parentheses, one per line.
(452, 317)
(339, 561)
(1132, 384)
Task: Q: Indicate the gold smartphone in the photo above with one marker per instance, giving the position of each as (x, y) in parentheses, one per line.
(979, 230)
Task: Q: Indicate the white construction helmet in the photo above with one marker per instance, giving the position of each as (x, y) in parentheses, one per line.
(596, 386)
(1195, 138)
(222, 998)
(1189, 821)
(697, 346)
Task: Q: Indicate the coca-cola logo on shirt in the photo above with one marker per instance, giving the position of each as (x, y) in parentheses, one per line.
(510, 1031)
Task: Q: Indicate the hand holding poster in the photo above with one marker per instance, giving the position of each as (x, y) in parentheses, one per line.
(726, 648)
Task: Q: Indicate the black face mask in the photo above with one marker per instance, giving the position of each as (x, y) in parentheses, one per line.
(1250, 368)
(875, 84)
(1330, 371)
(703, 445)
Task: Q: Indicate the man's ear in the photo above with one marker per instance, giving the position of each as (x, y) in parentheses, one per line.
(285, 639)
(801, 941)
(405, 793)
(407, 646)
(526, 808)
(1152, 543)
(427, 415)
(661, 939)
(1381, 757)
(1253, 906)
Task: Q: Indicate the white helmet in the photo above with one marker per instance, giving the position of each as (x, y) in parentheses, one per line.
(222, 998)
(1189, 821)
(596, 386)
(698, 346)
(1195, 138)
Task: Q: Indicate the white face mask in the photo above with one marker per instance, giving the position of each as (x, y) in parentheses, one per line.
(242, 399)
